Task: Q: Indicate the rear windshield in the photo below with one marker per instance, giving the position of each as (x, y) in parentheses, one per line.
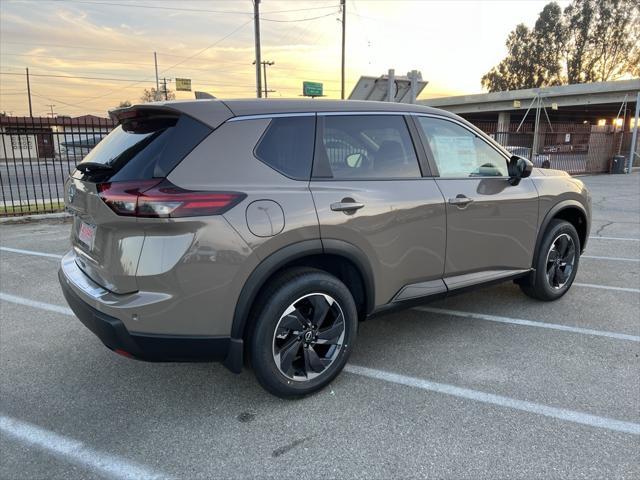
(141, 150)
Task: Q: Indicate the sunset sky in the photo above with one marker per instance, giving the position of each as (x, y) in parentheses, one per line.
(453, 43)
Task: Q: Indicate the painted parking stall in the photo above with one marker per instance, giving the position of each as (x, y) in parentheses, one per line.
(86, 411)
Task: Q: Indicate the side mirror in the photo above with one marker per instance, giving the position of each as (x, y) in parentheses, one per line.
(519, 168)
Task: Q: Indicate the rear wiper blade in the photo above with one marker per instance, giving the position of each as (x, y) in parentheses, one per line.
(85, 167)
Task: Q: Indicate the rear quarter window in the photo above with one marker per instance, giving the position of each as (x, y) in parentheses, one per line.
(287, 146)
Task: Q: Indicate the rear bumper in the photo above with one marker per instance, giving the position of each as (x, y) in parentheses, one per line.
(143, 346)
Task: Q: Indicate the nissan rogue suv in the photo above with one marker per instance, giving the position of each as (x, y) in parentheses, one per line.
(262, 231)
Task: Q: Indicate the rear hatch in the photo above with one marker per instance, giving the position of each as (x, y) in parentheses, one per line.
(104, 192)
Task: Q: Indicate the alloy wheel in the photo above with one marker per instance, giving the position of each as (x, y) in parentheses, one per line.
(309, 337)
(560, 261)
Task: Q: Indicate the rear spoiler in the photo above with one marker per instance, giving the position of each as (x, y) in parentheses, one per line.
(140, 112)
(208, 111)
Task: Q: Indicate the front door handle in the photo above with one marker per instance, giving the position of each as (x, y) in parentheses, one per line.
(347, 205)
(460, 200)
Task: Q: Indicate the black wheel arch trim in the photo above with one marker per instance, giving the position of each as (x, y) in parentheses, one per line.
(551, 214)
(272, 264)
(359, 258)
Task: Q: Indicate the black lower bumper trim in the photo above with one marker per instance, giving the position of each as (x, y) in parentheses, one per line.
(154, 348)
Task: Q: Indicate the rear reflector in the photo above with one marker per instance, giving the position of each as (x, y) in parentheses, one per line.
(162, 199)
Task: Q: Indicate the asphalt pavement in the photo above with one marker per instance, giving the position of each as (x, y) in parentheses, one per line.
(487, 384)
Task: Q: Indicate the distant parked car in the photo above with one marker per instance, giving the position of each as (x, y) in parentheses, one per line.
(81, 147)
(539, 159)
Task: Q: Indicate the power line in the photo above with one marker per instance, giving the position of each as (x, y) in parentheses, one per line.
(157, 7)
(188, 58)
(196, 10)
(113, 79)
(210, 46)
(94, 49)
(64, 57)
(59, 57)
(299, 19)
(72, 76)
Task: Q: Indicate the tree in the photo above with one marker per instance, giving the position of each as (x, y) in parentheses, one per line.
(591, 41)
(124, 104)
(151, 95)
(516, 68)
(603, 38)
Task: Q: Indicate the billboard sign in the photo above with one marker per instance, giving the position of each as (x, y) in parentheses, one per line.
(183, 84)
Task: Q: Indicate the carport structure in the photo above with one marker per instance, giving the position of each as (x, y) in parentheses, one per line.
(579, 127)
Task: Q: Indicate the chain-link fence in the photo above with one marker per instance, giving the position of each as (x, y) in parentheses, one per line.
(573, 147)
(36, 156)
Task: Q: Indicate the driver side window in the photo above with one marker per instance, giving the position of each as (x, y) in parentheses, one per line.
(458, 152)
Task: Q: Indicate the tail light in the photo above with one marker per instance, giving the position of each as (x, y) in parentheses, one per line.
(162, 199)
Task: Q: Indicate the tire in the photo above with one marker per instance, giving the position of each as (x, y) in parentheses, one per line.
(554, 272)
(289, 358)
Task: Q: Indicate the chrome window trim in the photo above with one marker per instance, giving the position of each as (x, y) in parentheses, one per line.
(268, 116)
(372, 112)
(261, 116)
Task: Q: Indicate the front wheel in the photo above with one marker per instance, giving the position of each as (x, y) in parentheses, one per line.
(557, 263)
(306, 325)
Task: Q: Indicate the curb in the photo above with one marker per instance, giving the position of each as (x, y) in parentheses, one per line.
(60, 217)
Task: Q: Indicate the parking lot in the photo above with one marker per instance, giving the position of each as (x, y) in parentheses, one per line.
(488, 384)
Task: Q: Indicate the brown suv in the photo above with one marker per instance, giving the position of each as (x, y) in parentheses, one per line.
(265, 229)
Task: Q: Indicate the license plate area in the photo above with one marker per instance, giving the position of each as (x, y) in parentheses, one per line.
(87, 234)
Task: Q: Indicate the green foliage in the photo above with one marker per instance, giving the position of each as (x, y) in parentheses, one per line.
(591, 41)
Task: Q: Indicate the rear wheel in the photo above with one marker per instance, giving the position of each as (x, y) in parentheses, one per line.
(305, 328)
(556, 264)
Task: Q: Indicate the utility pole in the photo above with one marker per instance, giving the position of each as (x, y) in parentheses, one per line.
(343, 5)
(51, 107)
(155, 61)
(634, 136)
(29, 94)
(166, 94)
(265, 64)
(256, 28)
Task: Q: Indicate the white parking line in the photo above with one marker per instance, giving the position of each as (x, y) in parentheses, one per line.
(622, 289)
(617, 259)
(30, 252)
(75, 451)
(607, 287)
(529, 323)
(531, 407)
(622, 239)
(499, 400)
(7, 297)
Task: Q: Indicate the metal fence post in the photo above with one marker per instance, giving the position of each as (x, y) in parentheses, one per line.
(634, 136)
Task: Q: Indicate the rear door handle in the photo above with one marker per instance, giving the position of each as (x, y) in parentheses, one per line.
(460, 200)
(346, 206)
